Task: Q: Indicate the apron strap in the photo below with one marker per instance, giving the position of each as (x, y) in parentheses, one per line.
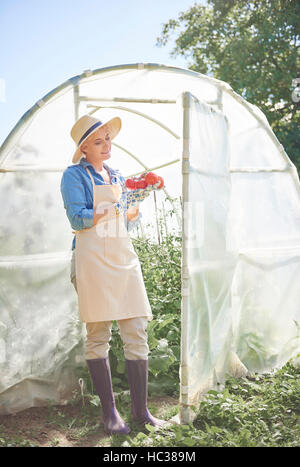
(93, 186)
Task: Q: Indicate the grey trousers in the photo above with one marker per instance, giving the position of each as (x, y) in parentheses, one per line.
(133, 332)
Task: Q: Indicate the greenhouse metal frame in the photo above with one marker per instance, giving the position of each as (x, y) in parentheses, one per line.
(190, 103)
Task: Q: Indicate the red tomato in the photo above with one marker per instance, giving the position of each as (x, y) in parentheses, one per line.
(141, 183)
(151, 178)
(130, 183)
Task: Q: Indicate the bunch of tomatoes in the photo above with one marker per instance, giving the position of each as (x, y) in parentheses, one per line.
(144, 180)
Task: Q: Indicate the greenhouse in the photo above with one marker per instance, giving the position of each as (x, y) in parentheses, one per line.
(236, 198)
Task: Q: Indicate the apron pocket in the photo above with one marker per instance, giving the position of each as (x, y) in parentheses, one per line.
(118, 245)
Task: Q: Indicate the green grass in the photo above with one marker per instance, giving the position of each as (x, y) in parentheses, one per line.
(260, 413)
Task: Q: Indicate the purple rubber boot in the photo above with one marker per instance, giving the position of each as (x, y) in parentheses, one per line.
(137, 371)
(100, 372)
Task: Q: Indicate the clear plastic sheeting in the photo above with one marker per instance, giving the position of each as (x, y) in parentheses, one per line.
(30, 221)
(241, 262)
(232, 187)
(40, 338)
(208, 268)
(265, 297)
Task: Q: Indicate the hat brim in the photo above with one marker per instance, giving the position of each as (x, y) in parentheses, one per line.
(113, 126)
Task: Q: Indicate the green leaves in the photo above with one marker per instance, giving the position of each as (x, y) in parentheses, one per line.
(161, 358)
(121, 367)
(261, 413)
(95, 400)
(162, 277)
(245, 414)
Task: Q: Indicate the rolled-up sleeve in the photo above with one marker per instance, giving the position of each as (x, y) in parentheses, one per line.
(74, 198)
(134, 222)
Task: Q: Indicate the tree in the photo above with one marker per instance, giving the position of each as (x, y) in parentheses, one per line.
(253, 46)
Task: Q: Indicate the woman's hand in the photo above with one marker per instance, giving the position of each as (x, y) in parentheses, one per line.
(108, 211)
(133, 212)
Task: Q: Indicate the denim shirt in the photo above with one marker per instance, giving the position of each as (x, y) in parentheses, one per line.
(77, 192)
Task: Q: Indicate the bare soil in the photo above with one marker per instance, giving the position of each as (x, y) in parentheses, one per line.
(76, 425)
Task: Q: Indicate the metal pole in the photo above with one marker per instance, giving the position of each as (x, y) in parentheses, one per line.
(165, 219)
(184, 411)
(138, 100)
(76, 101)
(157, 225)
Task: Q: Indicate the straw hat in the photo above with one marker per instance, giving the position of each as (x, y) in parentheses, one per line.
(86, 125)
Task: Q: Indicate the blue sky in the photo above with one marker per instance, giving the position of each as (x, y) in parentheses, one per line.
(46, 42)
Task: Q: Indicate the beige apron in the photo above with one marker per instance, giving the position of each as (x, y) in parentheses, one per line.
(109, 278)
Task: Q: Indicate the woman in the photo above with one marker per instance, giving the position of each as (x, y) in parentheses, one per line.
(109, 279)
